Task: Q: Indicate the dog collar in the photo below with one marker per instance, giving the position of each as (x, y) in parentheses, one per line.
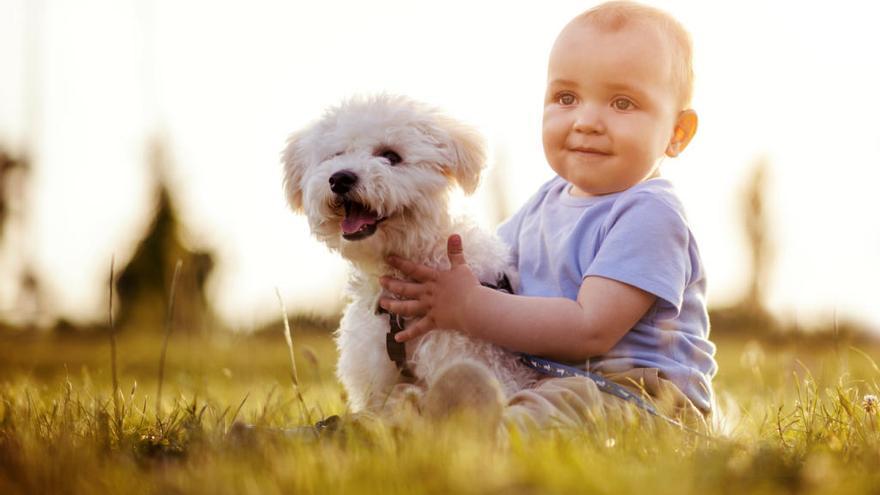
(397, 350)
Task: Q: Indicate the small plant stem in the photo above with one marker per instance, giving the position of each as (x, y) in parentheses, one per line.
(116, 412)
(168, 327)
(238, 410)
(293, 375)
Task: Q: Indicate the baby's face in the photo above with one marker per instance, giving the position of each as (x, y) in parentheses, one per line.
(610, 107)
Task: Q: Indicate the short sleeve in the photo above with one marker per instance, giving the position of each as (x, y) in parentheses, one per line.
(509, 230)
(509, 233)
(645, 244)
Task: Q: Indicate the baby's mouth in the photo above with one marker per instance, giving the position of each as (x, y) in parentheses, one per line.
(359, 221)
(591, 151)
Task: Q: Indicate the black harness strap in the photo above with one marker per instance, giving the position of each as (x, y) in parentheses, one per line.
(397, 350)
(502, 285)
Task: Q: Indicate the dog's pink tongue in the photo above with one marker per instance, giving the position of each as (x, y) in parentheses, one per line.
(355, 220)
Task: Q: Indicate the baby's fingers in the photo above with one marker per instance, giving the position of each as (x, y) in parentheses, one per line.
(403, 289)
(412, 270)
(420, 327)
(404, 308)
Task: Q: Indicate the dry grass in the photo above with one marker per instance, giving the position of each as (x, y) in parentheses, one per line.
(797, 423)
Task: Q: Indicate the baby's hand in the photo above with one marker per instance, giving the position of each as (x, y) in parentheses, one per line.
(438, 296)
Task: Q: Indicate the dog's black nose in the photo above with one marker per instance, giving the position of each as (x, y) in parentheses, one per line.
(341, 182)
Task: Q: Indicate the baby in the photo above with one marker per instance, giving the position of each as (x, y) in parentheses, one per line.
(611, 277)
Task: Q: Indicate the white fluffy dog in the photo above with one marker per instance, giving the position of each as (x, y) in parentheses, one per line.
(373, 177)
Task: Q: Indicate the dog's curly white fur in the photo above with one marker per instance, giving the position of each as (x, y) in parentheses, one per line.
(373, 177)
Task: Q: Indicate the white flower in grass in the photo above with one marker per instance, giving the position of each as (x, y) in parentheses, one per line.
(870, 403)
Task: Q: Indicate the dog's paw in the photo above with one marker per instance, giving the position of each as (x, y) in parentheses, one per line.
(465, 388)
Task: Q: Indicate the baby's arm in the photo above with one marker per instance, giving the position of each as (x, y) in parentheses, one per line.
(553, 327)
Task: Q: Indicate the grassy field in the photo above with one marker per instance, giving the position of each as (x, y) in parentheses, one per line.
(796, 421)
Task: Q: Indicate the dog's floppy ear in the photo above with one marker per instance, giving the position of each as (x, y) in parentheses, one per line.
(294, 163)
(467, 152)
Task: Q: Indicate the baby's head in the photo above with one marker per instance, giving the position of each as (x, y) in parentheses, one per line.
(619, 85)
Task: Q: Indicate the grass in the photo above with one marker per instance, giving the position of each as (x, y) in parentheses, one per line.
(797, 422)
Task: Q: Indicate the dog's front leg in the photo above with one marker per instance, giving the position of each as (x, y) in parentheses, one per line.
(364, 368)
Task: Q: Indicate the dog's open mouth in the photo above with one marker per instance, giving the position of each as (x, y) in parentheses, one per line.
(359, 221)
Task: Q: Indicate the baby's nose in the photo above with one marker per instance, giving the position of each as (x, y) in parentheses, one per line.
(589, 120)
(341, 182)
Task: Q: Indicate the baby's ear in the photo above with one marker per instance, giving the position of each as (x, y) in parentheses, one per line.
(685, 128)
(294, 164)
(466, 152)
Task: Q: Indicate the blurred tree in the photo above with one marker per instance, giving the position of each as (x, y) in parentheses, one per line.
(757, 226)
(28, 310)
(144, 284)
(750, 313)
(8, 168)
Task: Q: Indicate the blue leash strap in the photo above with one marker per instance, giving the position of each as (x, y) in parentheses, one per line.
(553, 368)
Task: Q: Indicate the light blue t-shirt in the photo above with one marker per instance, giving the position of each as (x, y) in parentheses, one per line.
(639, 237)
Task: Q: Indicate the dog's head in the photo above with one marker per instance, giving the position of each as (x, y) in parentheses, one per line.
(373, 168)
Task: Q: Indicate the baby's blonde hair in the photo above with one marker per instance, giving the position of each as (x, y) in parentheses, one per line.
(616, 15)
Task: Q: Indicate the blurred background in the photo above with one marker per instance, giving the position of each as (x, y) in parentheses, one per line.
(149, 131)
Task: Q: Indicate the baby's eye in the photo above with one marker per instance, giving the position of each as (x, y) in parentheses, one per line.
(623, 104)
(565, 99)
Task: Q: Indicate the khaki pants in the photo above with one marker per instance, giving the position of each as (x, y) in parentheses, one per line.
(573, 402)
(577, 401)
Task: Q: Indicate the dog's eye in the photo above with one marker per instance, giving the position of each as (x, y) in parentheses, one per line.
(334, 155)
(390, 155)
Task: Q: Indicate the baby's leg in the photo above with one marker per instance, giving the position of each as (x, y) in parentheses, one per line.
(555, 402)
(576, 402)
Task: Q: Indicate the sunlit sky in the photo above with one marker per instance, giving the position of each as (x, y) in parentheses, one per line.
(85, 83)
